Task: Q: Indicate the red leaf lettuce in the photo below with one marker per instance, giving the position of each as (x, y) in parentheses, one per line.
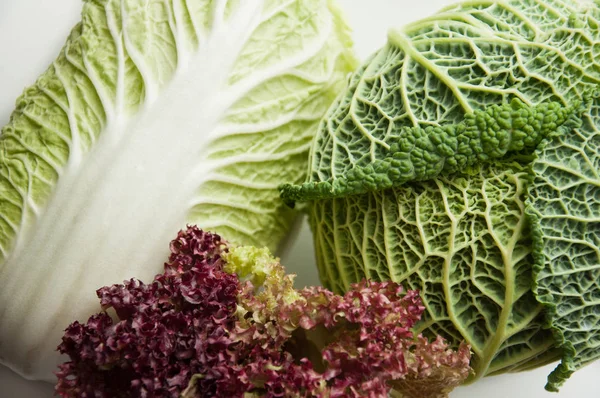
(227, 322)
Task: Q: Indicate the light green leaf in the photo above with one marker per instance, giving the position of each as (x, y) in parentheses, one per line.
(463, 242)
(155, 114)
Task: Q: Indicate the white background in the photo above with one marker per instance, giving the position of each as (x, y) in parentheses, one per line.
(33, 31)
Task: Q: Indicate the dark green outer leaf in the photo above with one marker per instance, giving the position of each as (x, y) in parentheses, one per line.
(437, 73)
(564, 204)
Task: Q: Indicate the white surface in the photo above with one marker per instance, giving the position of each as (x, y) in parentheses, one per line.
(31, 34)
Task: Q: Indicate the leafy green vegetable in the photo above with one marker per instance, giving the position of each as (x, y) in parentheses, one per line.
(429, 171)
(463, 242)
(154, 114)
(564, 201)
(419, 154)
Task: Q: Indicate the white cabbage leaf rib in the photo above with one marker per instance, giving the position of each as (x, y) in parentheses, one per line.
(155, 114)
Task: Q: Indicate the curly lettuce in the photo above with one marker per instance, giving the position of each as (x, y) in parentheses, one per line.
(225, 321)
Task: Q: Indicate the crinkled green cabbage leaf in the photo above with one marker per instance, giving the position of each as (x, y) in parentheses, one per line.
(463, 161)
(564, 202)
(155, 114)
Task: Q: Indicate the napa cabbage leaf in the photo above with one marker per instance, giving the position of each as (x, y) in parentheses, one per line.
(154, 114)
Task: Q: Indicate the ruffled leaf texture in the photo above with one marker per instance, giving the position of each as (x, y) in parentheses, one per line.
(225, 321)
(154, 114)
(564, 202)
(442, 168)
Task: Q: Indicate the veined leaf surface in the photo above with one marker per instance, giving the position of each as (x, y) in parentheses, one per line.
(423, 170)
(155, 114)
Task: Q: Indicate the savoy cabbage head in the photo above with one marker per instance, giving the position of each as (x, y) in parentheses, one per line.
(155, 114)
(463, 161)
